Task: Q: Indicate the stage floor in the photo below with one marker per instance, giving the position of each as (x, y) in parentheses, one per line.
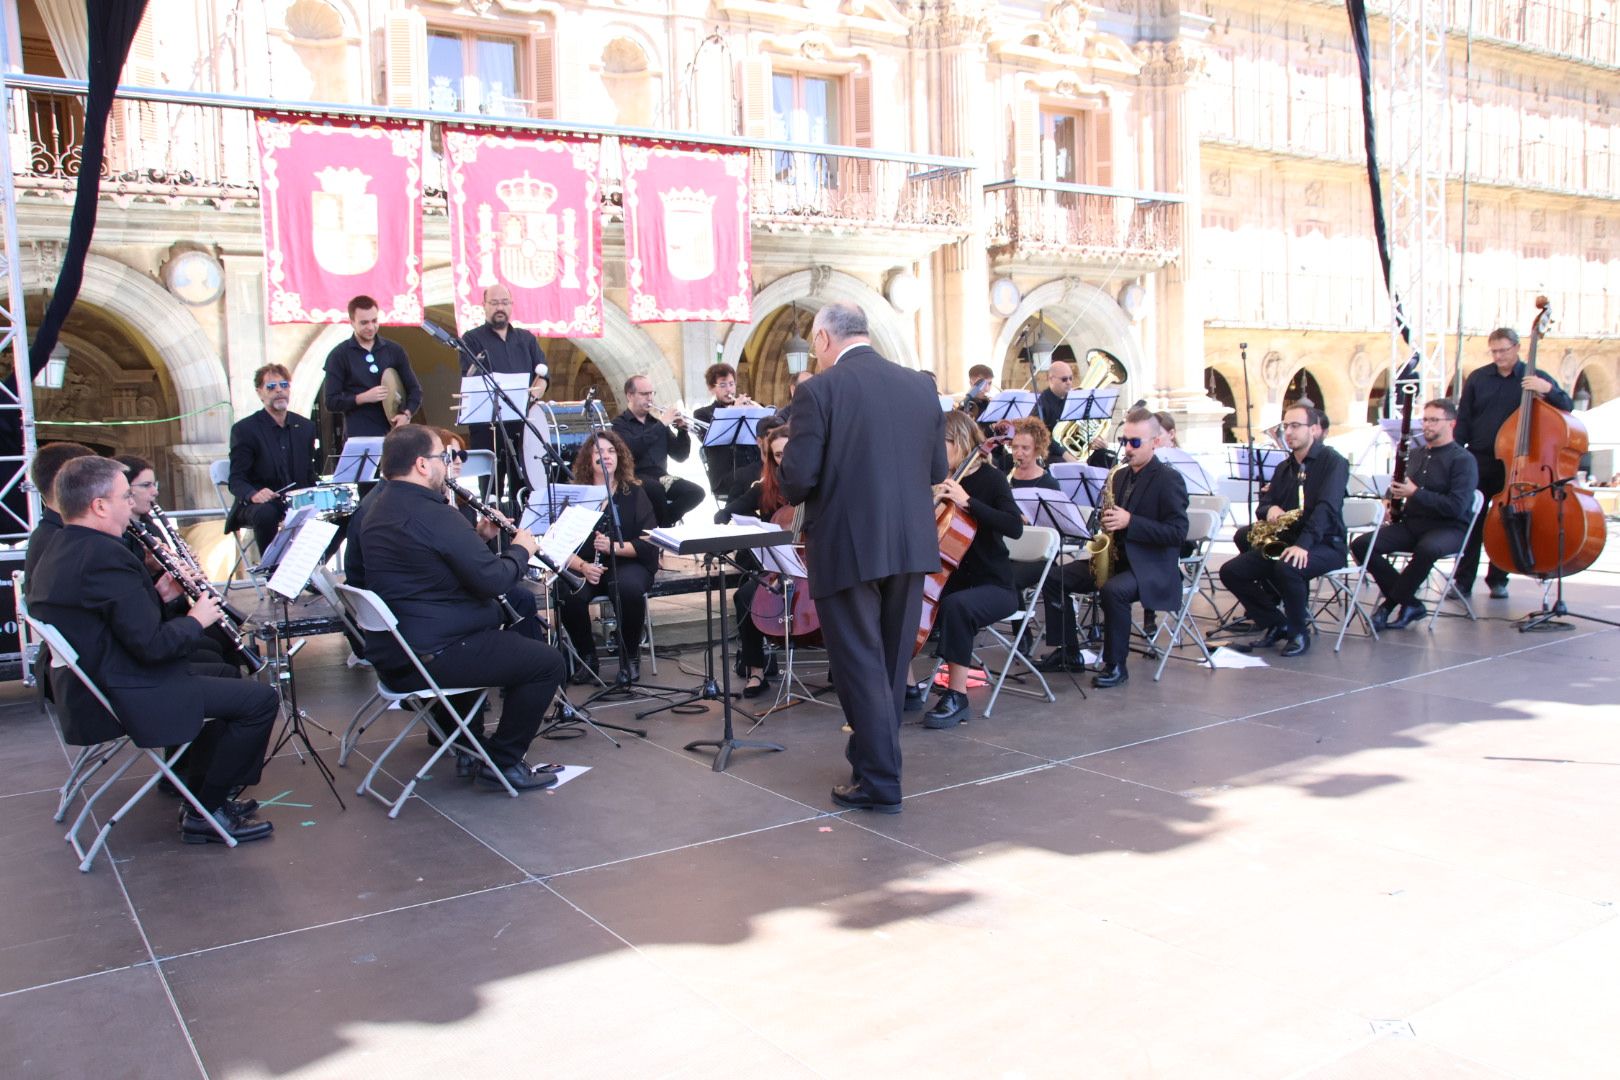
(1397, 861)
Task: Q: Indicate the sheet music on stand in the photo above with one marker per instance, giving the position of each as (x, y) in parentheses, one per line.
(1053, 510)
(284, 537)
(1265, 461)
(1090, 404)
(1369, 485)
(569, 532)
(1199, 482)
(1009, 405)
(1082, 483)
(736, 425)
(302, 555)
(479, 401)
(778, 558)
(358, 462)
(1391, 426)
(947, 402)
(536, 516)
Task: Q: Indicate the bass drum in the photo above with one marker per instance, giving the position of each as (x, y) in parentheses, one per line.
(534, 459)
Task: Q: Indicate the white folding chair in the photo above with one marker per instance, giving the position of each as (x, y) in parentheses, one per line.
(219, 471)
(374, 616)
(327, 586)
(1447, 589)
(1360, 516)
(1037, 544)
(1202, 525)
(1222, 506)
(92, 759)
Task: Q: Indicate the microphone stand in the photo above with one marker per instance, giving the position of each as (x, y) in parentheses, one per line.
(1548, 618)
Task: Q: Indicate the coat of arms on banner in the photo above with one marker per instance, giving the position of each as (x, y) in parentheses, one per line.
(526, 238)
(688, 233)
(343, 222)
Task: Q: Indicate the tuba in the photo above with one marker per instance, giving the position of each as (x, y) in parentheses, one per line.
(1101, 544)
(1102, 369)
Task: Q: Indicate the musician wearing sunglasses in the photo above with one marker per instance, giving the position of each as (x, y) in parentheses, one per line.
(1313, 546)
(354, 376)
(271, 450)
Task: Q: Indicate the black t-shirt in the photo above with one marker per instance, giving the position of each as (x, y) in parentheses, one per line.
(991, 503)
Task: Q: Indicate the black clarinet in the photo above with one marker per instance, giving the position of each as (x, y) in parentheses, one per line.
(229, 626)
(502, 522)
(170, 535)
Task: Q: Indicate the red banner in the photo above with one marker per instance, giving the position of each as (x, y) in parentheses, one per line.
(686, 233)
(342, 205)
(525, 212)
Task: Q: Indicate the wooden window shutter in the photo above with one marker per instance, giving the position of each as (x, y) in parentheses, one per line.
(135, 125)
(1102, 142)
(1027, 138)
(860, 98)
(756, 88)
(405, 59)
(544, 45)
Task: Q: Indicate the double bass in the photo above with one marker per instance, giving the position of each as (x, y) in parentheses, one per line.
(956, 529)
(1540, 447)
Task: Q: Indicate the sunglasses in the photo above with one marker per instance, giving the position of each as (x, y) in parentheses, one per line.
(280, 384)
(1132, 441)
(371, 363)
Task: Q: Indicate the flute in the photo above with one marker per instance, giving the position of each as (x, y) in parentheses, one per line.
(504, 523)
(229, 626)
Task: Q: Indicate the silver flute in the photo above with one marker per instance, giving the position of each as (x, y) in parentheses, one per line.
(170, 561)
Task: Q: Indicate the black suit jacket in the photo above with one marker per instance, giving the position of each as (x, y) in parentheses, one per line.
(868, 443)
(257, 461)
(39, 542)
(1152, 541)
(91, 588)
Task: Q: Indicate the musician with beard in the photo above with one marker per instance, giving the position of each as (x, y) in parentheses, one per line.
(731, 468)
(271, 450)
(506, 349)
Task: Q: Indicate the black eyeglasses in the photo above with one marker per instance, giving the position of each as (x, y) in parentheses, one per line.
(1132, 441)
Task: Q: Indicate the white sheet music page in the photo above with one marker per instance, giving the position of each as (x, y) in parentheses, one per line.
(571, 529)
(302, 557)
(779, 558)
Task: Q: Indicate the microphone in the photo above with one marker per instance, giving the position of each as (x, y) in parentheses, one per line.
(439, 334)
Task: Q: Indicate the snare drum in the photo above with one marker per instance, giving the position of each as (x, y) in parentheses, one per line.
(329, 500)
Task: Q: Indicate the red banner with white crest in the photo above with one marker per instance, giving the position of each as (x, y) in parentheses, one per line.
(525, 213)
(342, 206)
(686, 233)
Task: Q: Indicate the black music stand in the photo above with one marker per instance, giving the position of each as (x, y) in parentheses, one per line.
(1008, 405)
(1094, 405)
(1082, 483)
(357, 462)
(1196, 476)
(1052, 510)
(737, 427)
(718, 544)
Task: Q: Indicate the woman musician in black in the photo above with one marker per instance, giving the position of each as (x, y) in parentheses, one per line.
(763, 500)
(1030, 438)
(602, 562)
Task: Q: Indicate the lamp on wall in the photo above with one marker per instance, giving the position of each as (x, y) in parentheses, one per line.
(54, 373)
(796, 350)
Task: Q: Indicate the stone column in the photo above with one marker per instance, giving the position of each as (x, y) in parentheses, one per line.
(244, 344)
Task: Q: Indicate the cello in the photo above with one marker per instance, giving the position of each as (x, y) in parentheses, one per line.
(1527, 527)
(770, 611)
(956, 529)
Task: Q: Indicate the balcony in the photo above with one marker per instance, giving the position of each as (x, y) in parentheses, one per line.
(182, 147)
(1072, 225)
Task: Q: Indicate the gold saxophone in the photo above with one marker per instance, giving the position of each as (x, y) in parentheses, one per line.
(1272, 538)
(1101, 544)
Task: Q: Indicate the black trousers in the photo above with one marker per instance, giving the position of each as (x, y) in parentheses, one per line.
(265, 521)
(527, 671)
(1428, 542)
(1064, 580)
(1492, 478)
(750, 641)
(672, 503)
(1257, 582)
(870, 630)
(634, 581)
(483, 437)
(229, 752)
(963, 612)
(1115, 598)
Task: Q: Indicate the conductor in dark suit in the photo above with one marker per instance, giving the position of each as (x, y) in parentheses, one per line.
(100, 596)
(270, 450)
(867, 446)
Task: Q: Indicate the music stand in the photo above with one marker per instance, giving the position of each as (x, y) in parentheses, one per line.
(785, 562)
(1052, 510)
(1009, 405)
(1198, 479)
(735, 427)
(1256, 465)
(1082, 483)
(545, 507)
(1090, 404)
(358, 462)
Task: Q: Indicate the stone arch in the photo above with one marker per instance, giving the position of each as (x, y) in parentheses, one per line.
(890, 334)
(1602, 376)
(1094, 320)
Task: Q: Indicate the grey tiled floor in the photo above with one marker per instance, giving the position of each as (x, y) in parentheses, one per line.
(1397, 861)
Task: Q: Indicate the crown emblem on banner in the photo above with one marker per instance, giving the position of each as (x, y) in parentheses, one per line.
(687, 201)
(342, 181)
(525, 194)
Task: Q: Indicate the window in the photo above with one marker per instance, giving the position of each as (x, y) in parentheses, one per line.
(475, 73)
(805, 109)
(1075, 146)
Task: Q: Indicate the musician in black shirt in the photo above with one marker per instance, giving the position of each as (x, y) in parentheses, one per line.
(506, 349)
(731, 468)
(1438, 498)
(1030, 438)
(271, 449)
(443, 584)
(354, 369)
(48, 461)
(652, 440)
(1049, 405)
(1490, 394)
(602, 561)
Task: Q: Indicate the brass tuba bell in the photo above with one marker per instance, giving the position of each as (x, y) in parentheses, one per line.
(1103, 368)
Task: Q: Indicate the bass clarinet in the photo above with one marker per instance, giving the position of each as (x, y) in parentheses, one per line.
(194, 589)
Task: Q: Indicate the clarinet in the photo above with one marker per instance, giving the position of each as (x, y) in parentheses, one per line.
(176, 543)
(502, 522)
(229, 626)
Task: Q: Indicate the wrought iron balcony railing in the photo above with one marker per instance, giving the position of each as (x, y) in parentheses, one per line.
(181, 146)
(1078, 221)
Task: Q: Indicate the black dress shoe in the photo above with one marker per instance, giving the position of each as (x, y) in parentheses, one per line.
(1266, 640)
(519, 776)
(916, 696)
(1112, 676)
(585, 672)
(195, 829)
(1061, 660)
(1410, 613)
(245, 809)
(1499, 591)
(635, 669)
(851, 797)
(951, 709)
(1298, 645)
(1380, 618)
(755, 686)
(466, 764)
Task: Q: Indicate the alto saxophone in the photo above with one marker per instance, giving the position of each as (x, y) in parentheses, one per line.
(1272, 538)
(1101, 544)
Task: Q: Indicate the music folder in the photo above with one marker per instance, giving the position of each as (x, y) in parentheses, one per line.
(1199, 482)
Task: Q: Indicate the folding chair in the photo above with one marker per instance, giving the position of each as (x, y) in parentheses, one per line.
(373, 615)
(1037, 544)
(1448, 585)
(1222, 506)
(220, 473)
(327, 586)
(93, 758)
(1202, 525)
(1360, 516)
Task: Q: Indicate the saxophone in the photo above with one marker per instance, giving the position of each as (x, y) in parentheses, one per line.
(1101, 544)
(1272, 538)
